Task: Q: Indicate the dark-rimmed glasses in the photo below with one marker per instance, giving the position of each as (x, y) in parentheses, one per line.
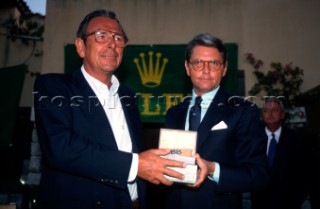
(198, 65)
(104, 36)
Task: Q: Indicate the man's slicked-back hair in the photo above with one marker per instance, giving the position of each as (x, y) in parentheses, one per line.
(82, 30)
(275, 100)
(206, 39)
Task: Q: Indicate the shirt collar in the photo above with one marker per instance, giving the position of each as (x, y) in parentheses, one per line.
(98, 84)
(276, 133)
(206, 98)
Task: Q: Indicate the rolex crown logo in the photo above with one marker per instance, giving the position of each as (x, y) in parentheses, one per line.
(151, 76)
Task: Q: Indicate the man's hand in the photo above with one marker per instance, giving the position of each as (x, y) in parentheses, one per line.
(153, 168)
(205, 168)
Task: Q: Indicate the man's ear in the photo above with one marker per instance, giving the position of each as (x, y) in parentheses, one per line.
(186, 65)
(80, 46)
(225, 68)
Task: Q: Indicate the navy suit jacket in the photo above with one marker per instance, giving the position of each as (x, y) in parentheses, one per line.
(289, 174)
(82, 166)
(239, 149)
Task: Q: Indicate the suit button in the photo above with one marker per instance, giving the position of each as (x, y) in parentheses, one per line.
(98, 204)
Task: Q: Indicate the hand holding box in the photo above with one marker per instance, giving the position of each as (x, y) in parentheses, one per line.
(182, 145)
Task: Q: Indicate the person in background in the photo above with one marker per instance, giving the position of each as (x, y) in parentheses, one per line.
(315, 171)
(289, 160)
(230, 139)
(89, 129)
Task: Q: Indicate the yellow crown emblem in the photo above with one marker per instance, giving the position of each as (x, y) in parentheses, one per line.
(151, 77)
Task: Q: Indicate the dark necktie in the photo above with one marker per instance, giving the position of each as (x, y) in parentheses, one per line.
(272, 149)
(195, 115)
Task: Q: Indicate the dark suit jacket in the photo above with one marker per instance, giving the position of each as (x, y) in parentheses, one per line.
(239, 149)
(82, 166)
(289, 175)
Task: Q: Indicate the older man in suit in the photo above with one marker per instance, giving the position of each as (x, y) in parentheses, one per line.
(89, 128)
(230, 142)
(289, 159)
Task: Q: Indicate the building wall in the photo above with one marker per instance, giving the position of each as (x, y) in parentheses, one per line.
(273, 30)
(14, 53)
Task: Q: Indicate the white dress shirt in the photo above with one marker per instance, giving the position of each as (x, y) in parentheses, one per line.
(109, 99)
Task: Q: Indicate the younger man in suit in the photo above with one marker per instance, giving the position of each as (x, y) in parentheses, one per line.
(230, 136)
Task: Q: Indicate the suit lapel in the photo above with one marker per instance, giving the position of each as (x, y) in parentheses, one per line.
(93, 109)
(182, 115)
(212, 117)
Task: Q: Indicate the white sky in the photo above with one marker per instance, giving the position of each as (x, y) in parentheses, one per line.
(37, 6)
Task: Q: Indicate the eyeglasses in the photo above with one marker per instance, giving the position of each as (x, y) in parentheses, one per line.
(198, 65)
(104, 36)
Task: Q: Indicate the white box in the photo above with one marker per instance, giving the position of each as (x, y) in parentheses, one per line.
(189, 172)
(178, 141)
(182, 158)
(182, 145)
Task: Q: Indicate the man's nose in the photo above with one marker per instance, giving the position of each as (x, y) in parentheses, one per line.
(206, 68)
(111, 43)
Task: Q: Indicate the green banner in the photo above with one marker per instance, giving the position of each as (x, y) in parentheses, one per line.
(158, 76)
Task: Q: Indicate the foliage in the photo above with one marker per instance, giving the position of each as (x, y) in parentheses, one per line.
(23, 29)
(27, 31)
(280, 80)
